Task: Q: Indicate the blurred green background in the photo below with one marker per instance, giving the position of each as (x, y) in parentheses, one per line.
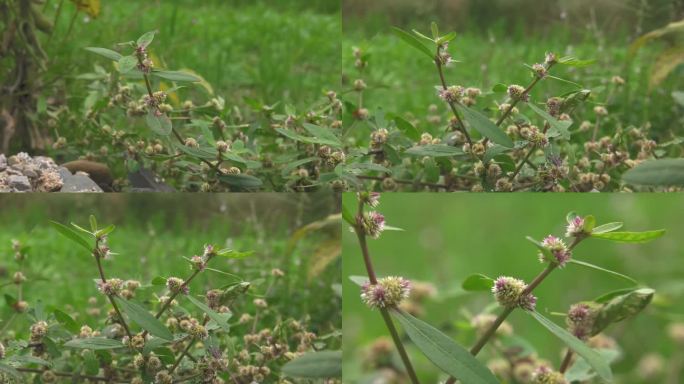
(268, 50)
(156, 231)
(497, 38)
(448, 237)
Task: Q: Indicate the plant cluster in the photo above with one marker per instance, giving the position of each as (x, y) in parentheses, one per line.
(509, 138)
(589, 353)
(167, 330)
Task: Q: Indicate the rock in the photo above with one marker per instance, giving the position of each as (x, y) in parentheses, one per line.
(77, 183)
(50, 181)
(19, 183)
(3, 162)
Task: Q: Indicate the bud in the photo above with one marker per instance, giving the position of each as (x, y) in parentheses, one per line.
(580, 319)
(222, 146)
(509, 292)
(388, 292)
(359, 85)
(575, 227)
(18, 278)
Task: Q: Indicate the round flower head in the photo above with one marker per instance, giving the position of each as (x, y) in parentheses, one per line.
(176, 285)
(509, 292)
(580, 319)
(575, 227)
(388, 292)
(373, 223)
(372, 199)
(544, 375)
(558, 249)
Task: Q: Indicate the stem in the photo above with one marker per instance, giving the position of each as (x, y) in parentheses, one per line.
(385, 315)
(490, 332)
(519, 167)
(180, 358)
(98, 256)
(566, 361)
(438, 63)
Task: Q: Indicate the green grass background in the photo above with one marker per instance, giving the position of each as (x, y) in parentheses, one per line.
(155, 232)
(268, 50)
(448, 237)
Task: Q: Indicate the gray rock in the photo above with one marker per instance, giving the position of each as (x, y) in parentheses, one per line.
(19, 183)
(3, 162)
(77, 183)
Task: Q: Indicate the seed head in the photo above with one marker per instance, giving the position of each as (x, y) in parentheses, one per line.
(508, 291)
(557, 248)
(388, 292)
(198, 331)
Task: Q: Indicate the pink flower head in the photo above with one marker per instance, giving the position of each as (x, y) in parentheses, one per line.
(558, 249)
(388, 292)
(575, 227)
(373, 224)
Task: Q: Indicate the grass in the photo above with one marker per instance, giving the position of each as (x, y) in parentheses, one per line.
(448, 238)
(268, 50)
(153, 235)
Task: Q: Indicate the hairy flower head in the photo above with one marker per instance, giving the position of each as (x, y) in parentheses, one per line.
(561, 253)
(544, 375)
(580, 319)
(373, 223)
(575, 227)
(388, 292)
(509, 292)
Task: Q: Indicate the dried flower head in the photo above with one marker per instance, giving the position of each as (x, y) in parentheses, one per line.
(388, 292)
(544, 375)
(557, 248)
(509, 292)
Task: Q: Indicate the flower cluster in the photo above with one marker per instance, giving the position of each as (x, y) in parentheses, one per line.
(575, 227)
(510, 293)
(111, 287)
(580, 319)
(389, 292)
(544, 375)
(560, 252)
(373, 223)
(177, 285)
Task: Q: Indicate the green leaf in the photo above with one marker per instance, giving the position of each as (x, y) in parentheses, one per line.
(105, 231)
(292, 165)
(108, 53)
(94, 343)
(482, 124)
(446, 38)
(28, 359)
(11, 372)
(407, 128)
(580, 371)
(608, 227)
(311, 140)
(146, 39)
(93, 223)
(665, 172)
(570, 217)
(500, 88)
(575, 62)
(158, 280)
(241, 181)
(609, 295)
(592, 266)
(347, 215)
(90, 363)
(67, 321)
(139, 315)
(207, 153)
(315, 365)
(72, 235)
(231, 254)
(435, 30)
(558, 127)
(446, 354)
(413, 41)
(323, 133)
(126, 63)
(630, 237)
(592, 357)
(478, 282)
(434, 150)
(176, 76)
(622, 307)
(589, 223)
(161, 125)
(545, 251)
(220, 319)
(359, 280)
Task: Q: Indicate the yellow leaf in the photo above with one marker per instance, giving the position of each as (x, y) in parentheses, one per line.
(325, 253)
(665, 63)
(658, 33)
(90, 7)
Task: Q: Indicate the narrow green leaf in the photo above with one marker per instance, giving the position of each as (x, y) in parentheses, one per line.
(105, 231)
(609, 295)
(592, 357)
(322, 133)
(580, 371)
(161, 125)
(434, 150)
(413, 41)
(241, 181)
(231, 254)
(94, 343)
(347, 215)
(220, 319)
(139, 315)
(207, 153)
(575, 62)
(93, 223)
(592, 266)
(622, 307)
(630, 237)
(486, 127)
(664, 172)
(67, 321)
(446, 354)
(72, 235)
(126, 63)
(608, 227)
(292, 165)
(478, 282)
(435, 30)
(314, 365)
(306, 139)
(176, 76)
(589, 223)
(407, 128)
(146, 39)
(28, 359)
(108, 53)
(158, 280)
(558, 127)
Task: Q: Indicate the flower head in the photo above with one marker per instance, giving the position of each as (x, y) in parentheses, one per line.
(372, 199)
(176, 285)
(111, 287)
(544, 375)
(575, 227)
(451, 94)
(580, 319)
(388, 292)
(510, 293)
(561, 253)
(373, 223)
